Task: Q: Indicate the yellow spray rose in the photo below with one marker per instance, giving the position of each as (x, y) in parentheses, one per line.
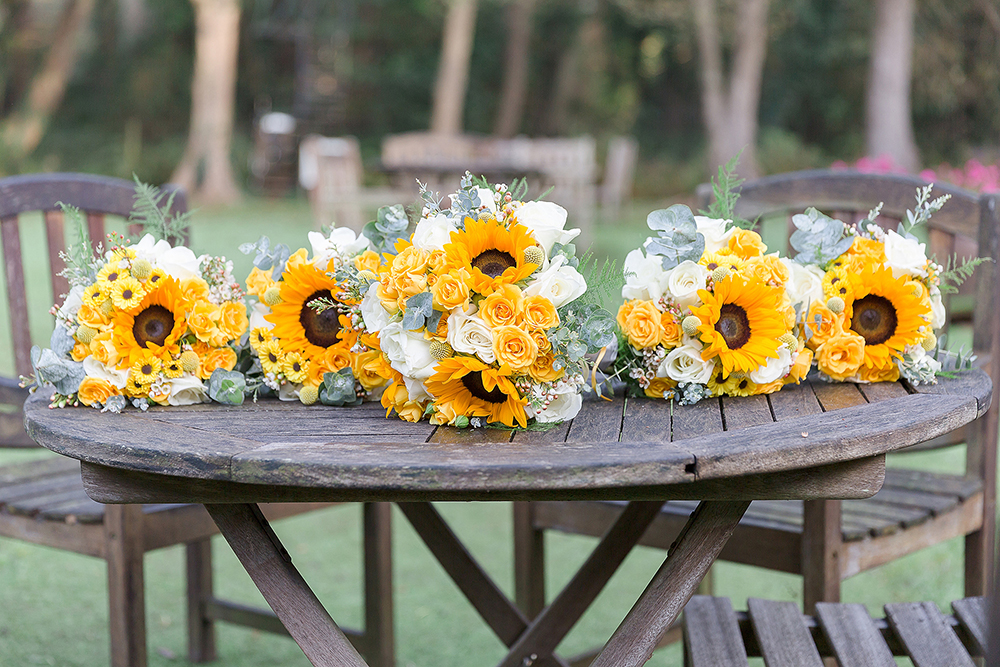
(642, 325)
(746, 244)
(841, 355)
(503, 307)
(514, 347)
(95, 390)
(452, 290)
(539, 313)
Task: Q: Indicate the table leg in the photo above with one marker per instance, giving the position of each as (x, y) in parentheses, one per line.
(690, 557)
(271, 569)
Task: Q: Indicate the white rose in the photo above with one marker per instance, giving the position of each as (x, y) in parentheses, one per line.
(684, 281)
(469, 334)
(95, 369)
(805, 283)
(416, 389)
(774, 369)
(257, 314)
(564, 406)
(559, 284)
(714, 231)
(179, 262)
(547, 221)
(187, 390)
(906, 257)
(431, 234)
(407, 351)
(71, 306)
(375, 316)
(938, 314)
(684, 364)
(341, 241)
(644, 277)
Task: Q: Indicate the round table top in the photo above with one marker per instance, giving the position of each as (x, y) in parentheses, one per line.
(613, 449)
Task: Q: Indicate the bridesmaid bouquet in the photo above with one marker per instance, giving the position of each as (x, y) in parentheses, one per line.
(706, 313)
(481, 313)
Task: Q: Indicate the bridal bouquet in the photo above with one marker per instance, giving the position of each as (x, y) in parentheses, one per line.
(706, 312)
(876, 298)
(307, 337)
(482, 314)
(144, 323)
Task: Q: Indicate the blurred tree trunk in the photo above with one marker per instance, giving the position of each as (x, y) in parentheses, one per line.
(21, 132)
(205, 169)
(730, 104)
(515, 72)
(571, 66)
(453, 72)
(889, 124)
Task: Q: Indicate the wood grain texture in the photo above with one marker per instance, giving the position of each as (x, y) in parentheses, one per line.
(379, 633)
(927, 636)
(794, 400)
(741, 413)
(126, 589)
(17, 300)
(712, 634)
(271, 569)
(783, 637)
(973, 614)
(852, 633)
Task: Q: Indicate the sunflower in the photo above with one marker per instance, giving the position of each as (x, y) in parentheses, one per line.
(885, 312)
(155, 326)
(491, 252)
(740, 323)
(473, 388)
(297, 324)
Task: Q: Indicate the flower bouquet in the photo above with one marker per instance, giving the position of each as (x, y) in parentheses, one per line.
(875, 297)
(146, 323)
(307, 337)
(706, 313)
(482, 314)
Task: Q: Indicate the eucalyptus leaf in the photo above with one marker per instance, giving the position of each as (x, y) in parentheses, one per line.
(60, 341)
(226, 387)
(338, 389)
(418, 308)
(679, 239)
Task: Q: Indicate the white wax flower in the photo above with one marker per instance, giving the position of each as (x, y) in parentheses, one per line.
(684, 281)
(644, 277)
(564, 406)
(187, 390)
(179, 262)
(774, 369)
(469, 334)
(714, 231)
(684, 364)
(559, 283)
(407, 351)
(375, 316)
(805, 283)
(906, 257)
(547, 222)
(95, 369)
(433, 233)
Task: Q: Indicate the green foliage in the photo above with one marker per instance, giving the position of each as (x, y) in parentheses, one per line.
(79, 257)
(419, 311)
(390, 225)
(153, 210)
(958, 271)
(679, 239)
(818, 238)
(338, 389)
(604, 280)
(226, 387)
(924, 209)
(267, 257)
(724, 194)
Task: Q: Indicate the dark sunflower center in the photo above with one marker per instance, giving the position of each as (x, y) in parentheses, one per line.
(154, 278)
(296, 367)
(272, 357)
(743, 384)
(734, 325)
(126, 294)
(147, 369)
(321, 327)
(493, 262)
(152, 325)
(474, 383)
(113, 276)
(874, 319)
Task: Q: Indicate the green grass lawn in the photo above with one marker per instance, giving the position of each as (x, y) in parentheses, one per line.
(55, 603)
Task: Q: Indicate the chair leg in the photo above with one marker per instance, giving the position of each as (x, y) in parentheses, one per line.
(380, 637)
(529, 561)
(201, 629)
(126, 594)
(821, 549)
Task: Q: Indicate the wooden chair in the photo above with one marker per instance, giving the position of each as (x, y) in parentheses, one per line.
(45, 503)
(828, 541)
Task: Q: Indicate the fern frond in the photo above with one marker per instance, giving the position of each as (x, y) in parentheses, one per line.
(78, 258)
(604, 280)
(958, 271)
(725, 195)
(152, 209)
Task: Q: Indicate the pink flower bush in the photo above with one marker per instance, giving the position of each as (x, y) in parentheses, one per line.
(973, 176)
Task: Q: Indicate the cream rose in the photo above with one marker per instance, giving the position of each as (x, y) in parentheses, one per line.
(774, 369)
(178, 262)
(341, 241)
(433, 233)
(684, 364)
(547, 221)
(407, 351)
(938, 315)
(95, 369)
(71, 306)
(257, 315)
(906, 257)
(714, 231)
(684, 281)
(805, 283)
(645, 278)
(187, 390)
(564, 406)
(375, 316)
(468, 333)
(416, 389)
(560, 284)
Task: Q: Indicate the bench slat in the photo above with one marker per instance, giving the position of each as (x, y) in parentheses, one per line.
(972, 613)
(853, 636)
(926, 634)
(712, 634)
(37, 469)
(784, 639)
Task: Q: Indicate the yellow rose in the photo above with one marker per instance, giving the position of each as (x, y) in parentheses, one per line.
(437, 261)
(212, 358)
(671, 330)
(658, 387)
(503, 307)
(367, 261)
(396, 398)
(642, 326)
(92, 317)
(871, 250)
(541, 340)
(233, 318)
(539, 313)
(514, 347)
(887, 373)
(830, 325)
(841, 355)
(259, 282)
(769, 388)
(767, 269)
(104, 349)
(746, 244)
(410, 260)
(367, 368)
(408, 284)
(623, 312)
(298, 258)
(194, 290)
(203, 321)
(95, 390)
(444, 415)
(542, 369)
(387, 296)
(80, 352)
(452, 290)
(411, 411)
(800, 367)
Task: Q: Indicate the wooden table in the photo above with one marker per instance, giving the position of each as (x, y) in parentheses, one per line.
(725, 453)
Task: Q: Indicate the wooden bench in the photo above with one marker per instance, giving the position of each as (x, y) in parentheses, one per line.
(717, 636)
